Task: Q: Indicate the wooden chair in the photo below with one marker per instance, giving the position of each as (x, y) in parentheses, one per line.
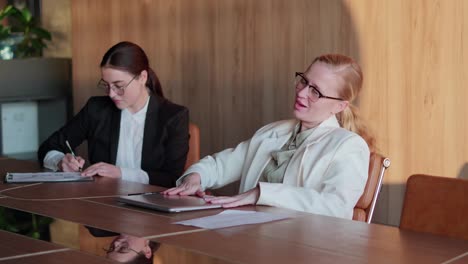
(194, 145)
(91, 244)
(437, 205)
(364, 208)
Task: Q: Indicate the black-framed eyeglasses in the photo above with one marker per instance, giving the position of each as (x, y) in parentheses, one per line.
(120, 90)
(313, 93)
(122, 249)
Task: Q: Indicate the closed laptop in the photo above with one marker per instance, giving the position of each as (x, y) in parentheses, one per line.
(166, 203)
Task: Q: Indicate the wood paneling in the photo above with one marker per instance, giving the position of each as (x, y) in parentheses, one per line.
(56, 18)
(413, 58)
(232, 63)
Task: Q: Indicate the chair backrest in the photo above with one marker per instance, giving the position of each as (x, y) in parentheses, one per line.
(91, 244)
(437, 205)
(364, 208)
(194, 145)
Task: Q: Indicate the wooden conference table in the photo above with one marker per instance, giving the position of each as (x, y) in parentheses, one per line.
(302, 238)
(19, 249)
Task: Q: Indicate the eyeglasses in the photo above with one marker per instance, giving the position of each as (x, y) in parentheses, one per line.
(123, 248)
(314, 94)
(119, 90)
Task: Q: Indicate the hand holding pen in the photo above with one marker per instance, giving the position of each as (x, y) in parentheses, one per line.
(71, 162)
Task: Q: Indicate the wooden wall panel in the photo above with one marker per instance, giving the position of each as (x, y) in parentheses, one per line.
(232, 63)
(415, 66)
(56, 18)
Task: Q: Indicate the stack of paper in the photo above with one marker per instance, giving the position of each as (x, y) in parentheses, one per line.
(229, 218)
(45, 177)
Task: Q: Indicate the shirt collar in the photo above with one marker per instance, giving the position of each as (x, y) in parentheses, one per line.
(140, 115)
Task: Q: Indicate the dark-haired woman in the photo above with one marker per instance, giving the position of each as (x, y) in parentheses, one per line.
(134, 133)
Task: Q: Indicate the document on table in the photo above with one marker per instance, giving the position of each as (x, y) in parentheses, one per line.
(229, 218)
(13, 177)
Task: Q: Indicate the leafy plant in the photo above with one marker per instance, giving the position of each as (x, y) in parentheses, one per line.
(5, 31)
(7, 220)
(23, 23)
(28, 224)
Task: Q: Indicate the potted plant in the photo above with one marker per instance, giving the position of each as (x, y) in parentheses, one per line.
(22, 37)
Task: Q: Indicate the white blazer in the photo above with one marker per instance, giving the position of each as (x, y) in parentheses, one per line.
(326, 175)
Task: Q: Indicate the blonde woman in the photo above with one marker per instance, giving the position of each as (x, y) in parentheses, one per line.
(317, 162)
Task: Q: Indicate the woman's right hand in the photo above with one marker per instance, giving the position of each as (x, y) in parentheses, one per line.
(190, 185)
(70, 163)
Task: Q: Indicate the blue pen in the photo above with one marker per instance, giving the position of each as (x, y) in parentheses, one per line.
(71, 151)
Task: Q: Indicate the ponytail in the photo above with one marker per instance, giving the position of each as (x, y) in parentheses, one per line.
(350, 119)
(153, 83)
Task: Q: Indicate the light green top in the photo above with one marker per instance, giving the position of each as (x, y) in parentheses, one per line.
(275, 169)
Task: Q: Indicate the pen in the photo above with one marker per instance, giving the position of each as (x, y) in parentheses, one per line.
(71, 151)
(143, 193)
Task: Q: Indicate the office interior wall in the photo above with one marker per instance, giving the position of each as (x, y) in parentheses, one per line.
(56, 18)
(232, 63)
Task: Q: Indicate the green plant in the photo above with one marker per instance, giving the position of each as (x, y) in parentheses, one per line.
(7, 220)
(28, 224)
(5, 31)
(23, 23)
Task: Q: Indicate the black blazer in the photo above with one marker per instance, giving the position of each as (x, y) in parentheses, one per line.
(165, 137)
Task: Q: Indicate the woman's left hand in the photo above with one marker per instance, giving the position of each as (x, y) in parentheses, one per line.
(248, 197)
(103, 169)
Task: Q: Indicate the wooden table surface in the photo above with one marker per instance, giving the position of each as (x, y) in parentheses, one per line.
(20, 249)
(68, 257)
(13, 165)
(303, 238)
(321, 239)
(9, 245)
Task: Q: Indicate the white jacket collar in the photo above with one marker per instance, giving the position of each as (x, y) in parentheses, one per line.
(286, 129)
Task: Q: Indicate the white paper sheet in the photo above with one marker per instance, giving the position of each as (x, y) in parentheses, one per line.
(229, 218)
(45, 177)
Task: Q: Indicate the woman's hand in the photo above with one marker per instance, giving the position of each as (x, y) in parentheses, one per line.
(70, 163)
(103, 169)
(248, 197)
(190, 185)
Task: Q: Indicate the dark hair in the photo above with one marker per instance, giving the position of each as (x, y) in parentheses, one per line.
(141, 259)
(131, 58)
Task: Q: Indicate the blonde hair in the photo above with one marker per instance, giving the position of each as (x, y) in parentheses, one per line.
(351, 75)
